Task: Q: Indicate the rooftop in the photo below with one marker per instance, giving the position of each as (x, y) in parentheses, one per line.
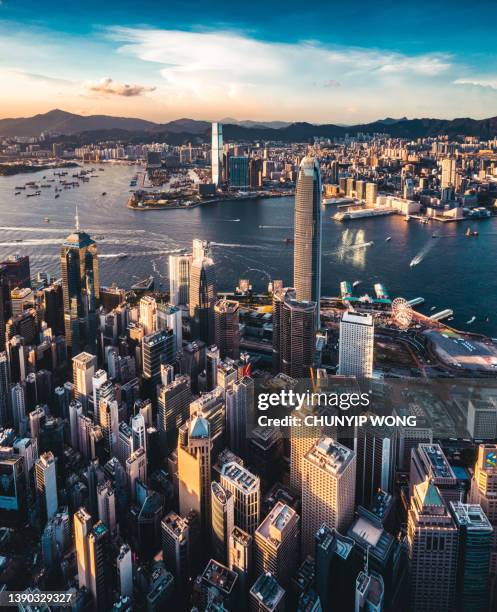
(219, 576)
(277, 523)
(329, 455)
(267, 590)
(241, 477)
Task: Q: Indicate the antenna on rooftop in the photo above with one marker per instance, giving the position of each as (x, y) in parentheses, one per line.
(76, 219)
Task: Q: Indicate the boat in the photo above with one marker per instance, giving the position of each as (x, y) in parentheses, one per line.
(146, 284)
(57, 195)
(355, 283)
(289, 240)
(104, 193)
(388, 238)
(18, 240)
(17, 193)
(433, 308)
(470, 233)
(46, 219)
(434, 236)
(122, 256)
(472, 320)
(450, 319)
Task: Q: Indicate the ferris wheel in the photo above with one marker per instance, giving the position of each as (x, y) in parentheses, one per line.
(401, 312)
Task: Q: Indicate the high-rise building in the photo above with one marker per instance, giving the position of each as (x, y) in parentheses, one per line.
(98, 549)
(5, 304)
(375, 449)
(81, 291)
(239, 172)
(432, 540)
(106, 503)
(17, 271)
(429, 461)
(202, 297)
(277, 543)
(83, 368)
(136, 470)
(194, 468)
(173, 408)
(179, 279)
(307, 253)
(157, 348)
(266, 595)
(217, 153)
(4, 390)
(108, 418)
(170, 317)
(246, 490)
(82, 526)
(475, 544)
(448, 173)
(125, 571)
(222, 523)
(328, 489)
(239, 408)
(176, 545)
(227, 328)
(481, 421)
(98, 379)
(240, 557)
(216, 587)
(294, 325)
(371, 194)
(356, 345)
(46, 485)
(483, 491)
(335, 569)
(148, 306)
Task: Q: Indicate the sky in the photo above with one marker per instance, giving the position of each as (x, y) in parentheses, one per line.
(322, 61)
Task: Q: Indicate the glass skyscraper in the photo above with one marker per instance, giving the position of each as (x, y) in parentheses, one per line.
(307, 254)
(217, 153)
(81, 291)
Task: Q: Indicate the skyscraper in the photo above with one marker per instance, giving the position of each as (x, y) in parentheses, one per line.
(432, 539)
(98, 549)
(148, 306)
(246, 489)
(173, 408)
(5, 303)
(240, 557)
(82, 526)
(222, 523)
(202, 296)
(356, 345)
(157, 348)
(294, 325)
(475, 544)
(179, 279)
(448, 173)
(227, 328)
(307, 254)
(194, 468)
(276, 543)
(81, 290)
(83, 368)
(125, 571)
(4, 390)
(46, 485)
(239, 407)
(328, 489)
(239, 172)
(217, 153)
(266, 595)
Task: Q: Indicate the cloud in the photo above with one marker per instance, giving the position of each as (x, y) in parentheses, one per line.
(488, 83)
(107, 86)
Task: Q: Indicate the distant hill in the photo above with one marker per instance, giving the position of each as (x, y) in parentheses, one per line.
(98, 127)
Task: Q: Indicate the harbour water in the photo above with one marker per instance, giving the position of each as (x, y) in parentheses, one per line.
(248, 241)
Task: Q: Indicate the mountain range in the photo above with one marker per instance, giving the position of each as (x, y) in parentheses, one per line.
(99, 127)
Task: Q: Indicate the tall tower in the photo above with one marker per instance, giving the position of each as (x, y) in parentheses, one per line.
(294, 325)
(202, 294)
(222, 509)
(82, 527)
(226, 328)
(179, 279)
(194, 468)
(217, 153)
(328, 489)
(356, 345)
(246, 489)
(276, 543)
(46, 484)
(307, 254)
(4, 389)
(83, 370)
(432, 540)
(98, 547)
(81, 290)
(239, 408)
(5, 303)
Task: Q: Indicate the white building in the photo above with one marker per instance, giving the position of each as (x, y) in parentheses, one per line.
(356, 345)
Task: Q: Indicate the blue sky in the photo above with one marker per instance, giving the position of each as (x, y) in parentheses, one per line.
(344, 62)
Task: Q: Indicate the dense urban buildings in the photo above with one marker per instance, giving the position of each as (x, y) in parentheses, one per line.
(151, 454)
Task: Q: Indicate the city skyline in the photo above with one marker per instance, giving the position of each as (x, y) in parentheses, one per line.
(220, 63)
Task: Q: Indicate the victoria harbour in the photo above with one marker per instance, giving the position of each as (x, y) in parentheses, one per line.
(248, 241)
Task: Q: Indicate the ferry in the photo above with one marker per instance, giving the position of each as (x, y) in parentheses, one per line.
(388, 238)
(355, 283)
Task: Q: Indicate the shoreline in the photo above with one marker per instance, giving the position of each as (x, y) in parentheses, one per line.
(206, 202)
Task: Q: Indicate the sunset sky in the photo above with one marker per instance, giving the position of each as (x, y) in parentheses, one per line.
(322, 62)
